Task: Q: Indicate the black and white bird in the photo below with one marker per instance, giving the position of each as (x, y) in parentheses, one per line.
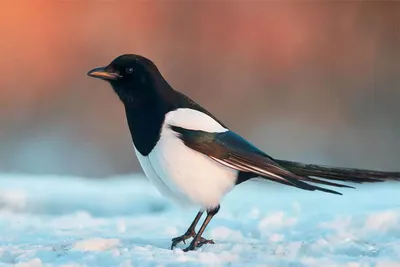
(191, 156)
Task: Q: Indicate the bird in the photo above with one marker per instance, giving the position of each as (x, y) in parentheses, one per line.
(192, 157)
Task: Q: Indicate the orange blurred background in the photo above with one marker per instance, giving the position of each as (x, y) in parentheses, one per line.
(312, 81)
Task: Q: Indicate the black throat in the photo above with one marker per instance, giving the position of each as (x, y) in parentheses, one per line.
(145, 125)
(146, 105)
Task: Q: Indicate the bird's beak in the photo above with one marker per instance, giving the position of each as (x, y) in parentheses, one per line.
(104, 74)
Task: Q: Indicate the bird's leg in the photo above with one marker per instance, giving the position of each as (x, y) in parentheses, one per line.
(191, 232)
(198, 241)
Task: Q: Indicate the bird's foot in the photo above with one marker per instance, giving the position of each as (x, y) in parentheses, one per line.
(182, 238)
(193, 245)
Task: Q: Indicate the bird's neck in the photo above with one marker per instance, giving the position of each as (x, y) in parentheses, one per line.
(145, 113)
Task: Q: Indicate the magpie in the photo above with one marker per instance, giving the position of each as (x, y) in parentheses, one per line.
(192, 157)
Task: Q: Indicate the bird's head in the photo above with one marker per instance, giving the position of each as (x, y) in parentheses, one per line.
(132, 77)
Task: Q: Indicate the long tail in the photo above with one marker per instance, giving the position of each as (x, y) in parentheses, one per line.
(307, 171)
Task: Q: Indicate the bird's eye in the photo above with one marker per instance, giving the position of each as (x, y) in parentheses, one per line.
(129, 70)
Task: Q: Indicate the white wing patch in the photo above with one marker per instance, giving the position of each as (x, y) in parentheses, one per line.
(193, 120)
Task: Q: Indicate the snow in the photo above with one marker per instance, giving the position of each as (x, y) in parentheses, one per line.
(96, 244)
(123, 221)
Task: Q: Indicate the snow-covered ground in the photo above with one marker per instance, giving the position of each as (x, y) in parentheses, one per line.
(64, 221)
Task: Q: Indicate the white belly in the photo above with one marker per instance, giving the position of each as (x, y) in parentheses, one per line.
(154, 178)
(185, 175)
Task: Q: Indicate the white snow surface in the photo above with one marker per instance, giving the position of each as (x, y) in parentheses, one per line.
(123, 221)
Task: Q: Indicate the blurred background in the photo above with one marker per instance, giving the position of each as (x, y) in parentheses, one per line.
(311, 81)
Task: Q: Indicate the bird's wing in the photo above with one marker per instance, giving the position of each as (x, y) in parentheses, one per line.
(230, 149)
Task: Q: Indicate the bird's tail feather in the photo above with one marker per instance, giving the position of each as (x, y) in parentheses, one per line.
(299, 182)
(306, 171)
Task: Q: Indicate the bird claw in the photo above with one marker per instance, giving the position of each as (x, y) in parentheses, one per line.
(193, 245)
(189, 248)
(182, 238)
(202, 241)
